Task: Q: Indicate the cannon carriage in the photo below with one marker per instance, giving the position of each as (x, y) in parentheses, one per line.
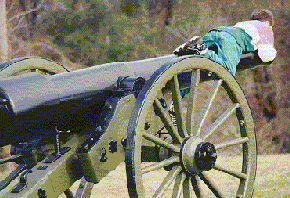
(80, 125)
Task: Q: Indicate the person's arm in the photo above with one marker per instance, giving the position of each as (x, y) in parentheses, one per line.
(266, 52)
(265, 44)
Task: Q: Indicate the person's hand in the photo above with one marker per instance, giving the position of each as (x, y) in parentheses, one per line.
(194, 46)
(184, 49)
(266, 52)
(179, 49)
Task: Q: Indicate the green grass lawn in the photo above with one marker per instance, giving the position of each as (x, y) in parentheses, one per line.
(272, 179)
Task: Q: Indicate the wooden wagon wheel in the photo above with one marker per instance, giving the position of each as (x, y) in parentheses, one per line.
(19, 66)
(211, 151)
(30, 64)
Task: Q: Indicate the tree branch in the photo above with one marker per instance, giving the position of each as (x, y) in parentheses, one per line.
(25, 13)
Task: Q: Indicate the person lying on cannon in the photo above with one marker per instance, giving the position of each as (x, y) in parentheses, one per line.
(226, 44)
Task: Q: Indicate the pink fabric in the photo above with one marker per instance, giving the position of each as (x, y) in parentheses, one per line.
(265, 32)
(262, 38)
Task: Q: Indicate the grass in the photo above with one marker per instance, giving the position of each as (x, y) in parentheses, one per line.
(272, 179)
(13, 183)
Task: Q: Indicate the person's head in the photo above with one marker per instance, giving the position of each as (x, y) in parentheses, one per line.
(263, 15)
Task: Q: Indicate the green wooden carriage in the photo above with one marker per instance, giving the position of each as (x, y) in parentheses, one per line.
(80, 125)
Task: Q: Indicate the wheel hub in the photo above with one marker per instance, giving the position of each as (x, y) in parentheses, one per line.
(197, 156)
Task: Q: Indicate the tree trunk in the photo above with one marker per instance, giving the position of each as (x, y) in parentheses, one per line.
(4, 51)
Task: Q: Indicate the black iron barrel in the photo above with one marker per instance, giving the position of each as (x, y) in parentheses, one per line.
(33, 104)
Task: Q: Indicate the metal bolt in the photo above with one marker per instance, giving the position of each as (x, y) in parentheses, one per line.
(124, 142)
(147, 125)
(242, 122)
(99, 129)
(41, 193)
(103, 157)
(81, 185)
(113, 146)
(4, 101)
(163, 102)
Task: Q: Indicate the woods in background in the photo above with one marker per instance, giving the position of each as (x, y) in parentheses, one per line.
(91, 32)
(4, 33)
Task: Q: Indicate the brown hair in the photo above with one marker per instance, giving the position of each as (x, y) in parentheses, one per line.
(263, 15)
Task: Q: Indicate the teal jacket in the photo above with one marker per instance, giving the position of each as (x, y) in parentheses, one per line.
(242, 38)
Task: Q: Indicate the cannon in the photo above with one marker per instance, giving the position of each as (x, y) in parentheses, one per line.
(64, 126)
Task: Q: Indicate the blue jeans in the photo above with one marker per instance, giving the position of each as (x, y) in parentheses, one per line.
(229, 51)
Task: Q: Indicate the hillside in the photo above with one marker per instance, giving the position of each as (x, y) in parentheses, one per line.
(83, 33)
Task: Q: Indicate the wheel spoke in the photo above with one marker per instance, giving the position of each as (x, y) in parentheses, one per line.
(196, 186)
(178, 108)
(159, 165)
(211, 185)
(218, 122)
(231, 172)
(177, 190)
(205, 110)
(195, 78)
(232, 142)
(187, 188)
(167, 121)
(160, 142)
(167, 181)
(84, 189)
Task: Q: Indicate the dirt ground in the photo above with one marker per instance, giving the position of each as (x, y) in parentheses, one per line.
(272, 179)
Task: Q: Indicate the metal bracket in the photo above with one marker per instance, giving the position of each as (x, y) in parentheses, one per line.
(130, 84)
(55, 156)
(22, 183)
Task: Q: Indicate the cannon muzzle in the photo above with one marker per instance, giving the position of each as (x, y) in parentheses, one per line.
(32, 104)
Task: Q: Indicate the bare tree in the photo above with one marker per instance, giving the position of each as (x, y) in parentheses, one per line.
(162, 10)
(4, 51)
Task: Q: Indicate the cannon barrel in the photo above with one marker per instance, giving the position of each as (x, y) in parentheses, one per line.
(33, 104)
